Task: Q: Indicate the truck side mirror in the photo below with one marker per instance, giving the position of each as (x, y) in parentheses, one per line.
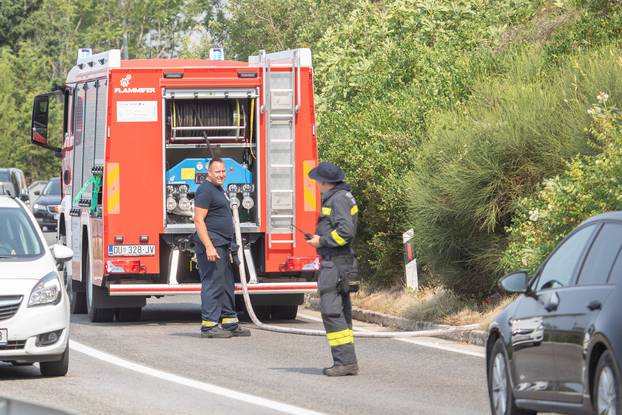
(40, 112)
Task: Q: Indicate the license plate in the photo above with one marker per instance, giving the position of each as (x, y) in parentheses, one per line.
(131, 250)
(4, 337)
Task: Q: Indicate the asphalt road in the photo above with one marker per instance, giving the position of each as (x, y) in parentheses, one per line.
(161, 366)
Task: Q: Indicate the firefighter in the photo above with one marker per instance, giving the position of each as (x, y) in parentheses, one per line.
(215, 250)
(334, 234)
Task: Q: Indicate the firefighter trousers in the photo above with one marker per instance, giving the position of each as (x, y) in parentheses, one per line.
(336, 310)
(217, 289)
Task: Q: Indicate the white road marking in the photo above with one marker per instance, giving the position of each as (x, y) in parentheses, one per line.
(425, 342)
(206, 387)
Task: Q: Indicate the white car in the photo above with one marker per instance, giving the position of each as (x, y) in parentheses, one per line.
(34, 305)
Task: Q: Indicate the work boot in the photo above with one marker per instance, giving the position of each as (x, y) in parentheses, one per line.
(342, 370)
(240, 332)
(216, 333)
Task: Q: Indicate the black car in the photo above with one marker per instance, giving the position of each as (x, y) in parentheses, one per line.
(47, 207)
(557, 347)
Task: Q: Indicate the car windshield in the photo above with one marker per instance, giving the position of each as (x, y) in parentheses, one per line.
(18, 238)
(52, 188)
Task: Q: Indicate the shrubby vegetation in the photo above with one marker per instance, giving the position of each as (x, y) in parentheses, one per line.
(512, 133)
(589, 185)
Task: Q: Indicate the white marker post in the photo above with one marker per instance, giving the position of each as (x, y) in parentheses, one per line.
(410, 262)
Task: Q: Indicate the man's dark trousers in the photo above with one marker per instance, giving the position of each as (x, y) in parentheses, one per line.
(217, 289)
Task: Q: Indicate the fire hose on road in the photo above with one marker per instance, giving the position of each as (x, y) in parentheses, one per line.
(288, 330)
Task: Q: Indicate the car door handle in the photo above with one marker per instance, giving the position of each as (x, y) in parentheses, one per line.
(595, 305)
(553, 302)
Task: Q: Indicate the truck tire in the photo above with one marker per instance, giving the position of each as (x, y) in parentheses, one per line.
(284, 312)
(77, 296)
(128, 314)
(57, 368)
(75, 289)
(96, 313)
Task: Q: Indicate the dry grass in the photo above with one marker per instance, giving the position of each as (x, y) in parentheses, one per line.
(435, 304)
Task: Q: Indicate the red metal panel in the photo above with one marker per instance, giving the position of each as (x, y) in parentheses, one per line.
(137, 147)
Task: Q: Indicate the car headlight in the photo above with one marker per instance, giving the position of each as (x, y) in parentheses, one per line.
(55, 208)
(47, 291)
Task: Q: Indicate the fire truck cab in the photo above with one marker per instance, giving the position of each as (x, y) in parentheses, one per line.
(138, 137)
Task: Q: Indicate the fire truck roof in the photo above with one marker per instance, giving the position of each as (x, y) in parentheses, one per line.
(179, 63)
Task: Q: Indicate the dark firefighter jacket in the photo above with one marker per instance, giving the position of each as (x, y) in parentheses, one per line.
(338, 220)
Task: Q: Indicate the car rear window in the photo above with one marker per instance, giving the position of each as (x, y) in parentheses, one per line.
(18, 238)
(4, 176)
(602, 255)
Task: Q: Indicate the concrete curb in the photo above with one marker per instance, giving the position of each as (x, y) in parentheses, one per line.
(475, 337)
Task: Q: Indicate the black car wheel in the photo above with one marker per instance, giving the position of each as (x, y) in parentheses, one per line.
(607, 386)
(57, 368)
(499, 384)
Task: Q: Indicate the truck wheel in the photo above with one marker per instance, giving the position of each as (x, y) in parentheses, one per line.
(58, 368)
(262, 312)
(128, 314)
(75, 289)
(77, 297)
(96, 313)
(284, 312)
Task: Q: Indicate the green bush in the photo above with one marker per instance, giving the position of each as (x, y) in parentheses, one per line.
(588, 186)
(480, 159)
(379, 73)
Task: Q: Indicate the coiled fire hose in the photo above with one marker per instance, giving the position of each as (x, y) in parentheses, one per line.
(306, 332)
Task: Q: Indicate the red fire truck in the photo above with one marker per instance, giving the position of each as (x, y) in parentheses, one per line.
(138, 135)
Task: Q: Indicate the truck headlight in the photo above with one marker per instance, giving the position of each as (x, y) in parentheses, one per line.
(247, 202)
(171, 203)
(47, 291)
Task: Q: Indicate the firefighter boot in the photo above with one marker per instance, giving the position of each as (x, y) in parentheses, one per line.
(342, 370)
(216, 332)
(240, 332)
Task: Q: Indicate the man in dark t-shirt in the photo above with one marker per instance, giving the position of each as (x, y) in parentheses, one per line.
(213, 245)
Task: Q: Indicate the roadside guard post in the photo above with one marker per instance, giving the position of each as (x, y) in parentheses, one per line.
(410, 262)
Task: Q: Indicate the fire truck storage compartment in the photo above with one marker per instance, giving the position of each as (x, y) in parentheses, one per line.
(198, 128)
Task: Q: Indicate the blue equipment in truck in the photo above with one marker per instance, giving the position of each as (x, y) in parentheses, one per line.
(193, 172)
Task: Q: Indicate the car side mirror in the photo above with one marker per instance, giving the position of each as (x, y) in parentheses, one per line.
(61, 253)
(516, 282)
(24, 197)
